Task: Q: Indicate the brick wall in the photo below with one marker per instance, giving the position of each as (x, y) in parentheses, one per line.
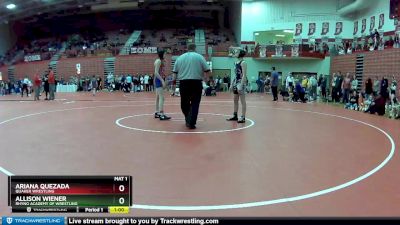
(89, 66)
(344, 63)
(29, 69)
(4, 72)
(141, 64)
(376, 63)
(382, 63)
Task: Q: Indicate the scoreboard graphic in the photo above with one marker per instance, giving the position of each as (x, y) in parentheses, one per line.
(76, 194)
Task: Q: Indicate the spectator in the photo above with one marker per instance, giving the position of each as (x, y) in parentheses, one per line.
(353, 102)
(346, 87)
(384, 88)
(299, 93)
(289, 83)
(93, 85)
(313, 84)
(52, 83)
(274, 84)
(323, 86)
(37, 83)
(146, 82)
(46, 85)
(25, 83)
(377, 106)
(368, 87)
(354, 84)
(393, 88)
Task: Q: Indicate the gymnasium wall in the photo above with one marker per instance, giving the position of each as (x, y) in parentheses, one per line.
(377, 63)
(4, 73)
(23, 70)
(89, 66)
(284, 14)
(7, 39)
(345, 64)
(142, 64)
(282, 65)
(378, 7)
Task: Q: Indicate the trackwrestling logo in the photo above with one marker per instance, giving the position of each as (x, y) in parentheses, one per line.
(9, 220)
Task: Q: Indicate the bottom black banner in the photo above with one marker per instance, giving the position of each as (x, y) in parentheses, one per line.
(206, 221)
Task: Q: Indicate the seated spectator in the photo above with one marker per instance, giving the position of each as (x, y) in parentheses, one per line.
(353, 102)
(378, 106)
(394, 109)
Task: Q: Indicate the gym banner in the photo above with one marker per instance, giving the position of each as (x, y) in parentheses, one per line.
(311, 29)
(325, 28)
(364, 25)
(32, 58)
(372, 24)
(355, 28)
(299, 29)
(339, 28)
(143, 50)
(381, 21)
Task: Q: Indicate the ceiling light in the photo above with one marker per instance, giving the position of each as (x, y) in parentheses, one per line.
(280, 35)
(256, 34)
(11, 6)
(288, 31)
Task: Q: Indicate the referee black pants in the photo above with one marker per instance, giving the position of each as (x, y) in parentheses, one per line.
(190, 91)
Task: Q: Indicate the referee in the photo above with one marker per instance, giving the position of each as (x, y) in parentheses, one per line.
(189, 70)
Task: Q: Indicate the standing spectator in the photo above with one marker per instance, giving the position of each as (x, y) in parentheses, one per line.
(46, 86)
(99, 86)
(190, 68)
(151, 83)
(313, 88)
(289, 83)
(274, 84)
(25, 87)
(323, 86)
(346, 87)
(377, 86)
(354, 84)
(393, 88)
(333, 84)
(93, 84)
(52, 84)
(37, 83)
(368, 88)
(384, 88)
(338, 86)
(128, 80)
(146, 82)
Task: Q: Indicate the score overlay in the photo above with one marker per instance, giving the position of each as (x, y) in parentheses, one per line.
(62, 194)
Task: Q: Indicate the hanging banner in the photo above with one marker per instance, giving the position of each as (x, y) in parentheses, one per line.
(311, 29)
(339, 28)
(364, 25)
(299, 29)
(325, 28)
(372, 24)
(355, 28)
(381, 21)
